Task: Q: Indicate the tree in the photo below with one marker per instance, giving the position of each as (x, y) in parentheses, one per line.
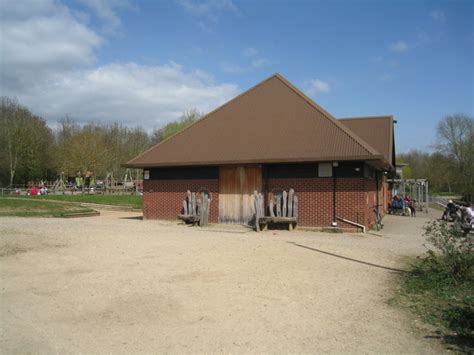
(456, 141)
(187, 118)
(25, 143)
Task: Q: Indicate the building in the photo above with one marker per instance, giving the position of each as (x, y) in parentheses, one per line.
(269, 138)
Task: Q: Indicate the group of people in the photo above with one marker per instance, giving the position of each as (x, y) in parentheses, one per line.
(404, 206)
(36, 190)
(450, 212)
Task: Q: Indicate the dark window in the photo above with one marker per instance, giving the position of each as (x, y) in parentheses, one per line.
(184, 173)
(311, 170)
(286, 171)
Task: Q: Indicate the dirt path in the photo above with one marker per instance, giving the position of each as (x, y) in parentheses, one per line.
(115, 283)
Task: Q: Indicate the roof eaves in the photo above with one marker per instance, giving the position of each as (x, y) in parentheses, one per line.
(255, 161)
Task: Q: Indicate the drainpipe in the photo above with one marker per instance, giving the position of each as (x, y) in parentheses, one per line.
(334, 219)
(377, 190)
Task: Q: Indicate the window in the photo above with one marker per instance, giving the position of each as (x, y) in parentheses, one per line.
(325, 169)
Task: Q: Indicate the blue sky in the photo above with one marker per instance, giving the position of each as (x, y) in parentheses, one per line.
(145, 62)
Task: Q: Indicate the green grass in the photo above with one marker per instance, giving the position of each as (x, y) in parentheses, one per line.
(442, 301)
(444, 193)
(134, 201)
(38, 208)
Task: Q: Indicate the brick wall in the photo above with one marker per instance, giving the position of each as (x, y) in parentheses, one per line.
(355, 198)
(163, 199)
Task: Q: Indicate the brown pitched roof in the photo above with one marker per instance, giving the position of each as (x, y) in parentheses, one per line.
(271, 122)
(376, 131)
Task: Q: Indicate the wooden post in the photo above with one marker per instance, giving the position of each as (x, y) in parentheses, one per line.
(198, 207)
(285, 195)
(271, 205)
(278, 205)
(291, 195)
(295, 207)
(257, 211)
(188, 196)
(204, 211)
(193, 203)
(260, 205)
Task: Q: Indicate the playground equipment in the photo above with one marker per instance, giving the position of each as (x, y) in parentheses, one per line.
(418, 189)
(59, 186)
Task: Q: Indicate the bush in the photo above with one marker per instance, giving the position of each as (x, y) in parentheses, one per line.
(439, 286)
(453, 256)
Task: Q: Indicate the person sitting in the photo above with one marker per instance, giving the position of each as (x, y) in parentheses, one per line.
(410, 208)
(33, 191)
(450, 209)
(397, 205)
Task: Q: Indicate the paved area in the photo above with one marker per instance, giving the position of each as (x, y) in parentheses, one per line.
(115, 283)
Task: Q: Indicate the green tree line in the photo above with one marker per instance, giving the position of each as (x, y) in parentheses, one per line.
(450, 166)
(30, 150)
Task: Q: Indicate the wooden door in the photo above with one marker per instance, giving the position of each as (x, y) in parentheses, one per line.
(236, 187)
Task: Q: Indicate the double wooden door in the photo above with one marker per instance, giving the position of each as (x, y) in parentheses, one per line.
(236, 187)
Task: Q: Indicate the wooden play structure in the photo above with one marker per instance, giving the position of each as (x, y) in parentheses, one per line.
(283, 209)
(196, 209)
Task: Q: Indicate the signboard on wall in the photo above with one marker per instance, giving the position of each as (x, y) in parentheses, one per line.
(146, 174)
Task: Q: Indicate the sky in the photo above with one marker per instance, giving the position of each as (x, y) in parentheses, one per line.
(146, 62)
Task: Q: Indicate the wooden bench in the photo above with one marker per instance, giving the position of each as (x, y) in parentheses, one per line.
(283, 210)
(196, 210)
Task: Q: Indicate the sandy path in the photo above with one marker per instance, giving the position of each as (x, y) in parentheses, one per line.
(118, 284)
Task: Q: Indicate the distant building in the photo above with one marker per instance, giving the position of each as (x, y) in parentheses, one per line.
(269, 138)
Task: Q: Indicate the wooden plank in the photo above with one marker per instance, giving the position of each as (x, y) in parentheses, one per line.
(271, 206)
(260, 205)
(236, 187)
(278, 205)
(291, 195)
(282, 219)
(185, 207)
(198, 206)
(295, 207)
(285, 196)
(204, 212)
(257, 211)
(188, 196)
(193, 203)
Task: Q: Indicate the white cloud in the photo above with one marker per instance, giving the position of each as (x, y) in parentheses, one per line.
(387, 77)
(129, 93)
(231, 68)
(318, 86)
(259, 62)
(209, 8)
(38, 40)
(376, 59)
(399, 47)
(106, 11)
(438, 15)
(250, 52)
(48, 63)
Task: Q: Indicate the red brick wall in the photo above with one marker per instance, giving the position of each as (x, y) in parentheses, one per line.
(163, 199)
(355, 199)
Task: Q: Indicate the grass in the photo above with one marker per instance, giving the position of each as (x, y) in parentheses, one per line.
(37, 208)
(442, 301)
(133, 201)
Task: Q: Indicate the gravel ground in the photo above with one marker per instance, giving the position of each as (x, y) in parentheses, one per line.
(115, 283)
